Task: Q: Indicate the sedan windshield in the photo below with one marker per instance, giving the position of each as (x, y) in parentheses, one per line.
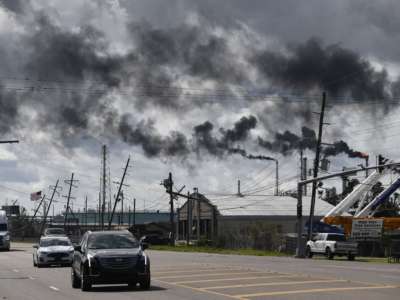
(54, 242)
(55, 231)
(112, 241)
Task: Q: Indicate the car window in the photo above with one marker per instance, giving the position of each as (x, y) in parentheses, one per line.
(336, 237)
(54, 242)
(112, 241)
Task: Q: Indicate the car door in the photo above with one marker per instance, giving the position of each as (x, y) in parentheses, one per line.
(319, 243)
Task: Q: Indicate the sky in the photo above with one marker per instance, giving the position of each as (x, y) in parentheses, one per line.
(192, 88)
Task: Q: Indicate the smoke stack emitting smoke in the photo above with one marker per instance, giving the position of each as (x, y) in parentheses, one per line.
(195, 52)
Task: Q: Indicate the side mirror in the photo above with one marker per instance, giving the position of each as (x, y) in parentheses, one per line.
(36, 246)
(78, 248)
(145, 246)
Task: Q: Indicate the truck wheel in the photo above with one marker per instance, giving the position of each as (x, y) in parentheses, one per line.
(309, 254)
(329, 253)
(351, 256)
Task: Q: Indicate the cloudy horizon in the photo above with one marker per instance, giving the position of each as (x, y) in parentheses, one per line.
(179, 85)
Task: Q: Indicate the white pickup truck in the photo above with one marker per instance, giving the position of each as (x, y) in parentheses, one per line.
(331, 244)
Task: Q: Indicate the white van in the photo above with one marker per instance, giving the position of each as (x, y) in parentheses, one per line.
(4, 234)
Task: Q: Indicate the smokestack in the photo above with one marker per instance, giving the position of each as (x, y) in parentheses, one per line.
(238, 189)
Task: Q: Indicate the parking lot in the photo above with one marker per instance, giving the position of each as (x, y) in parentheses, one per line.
(241, 283)
(210, 276)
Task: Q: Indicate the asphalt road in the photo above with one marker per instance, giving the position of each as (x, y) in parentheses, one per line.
(210, 276)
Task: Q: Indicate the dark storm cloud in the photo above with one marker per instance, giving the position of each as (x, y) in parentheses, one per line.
(75, 71)
(62, 55)
(8, 110)
(337, 70)
(16, 6)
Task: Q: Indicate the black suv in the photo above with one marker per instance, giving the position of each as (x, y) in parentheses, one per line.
(106, 257)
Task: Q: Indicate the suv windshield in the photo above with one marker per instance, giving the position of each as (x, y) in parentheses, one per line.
(112, 241)
(3, 227)
(54, 242)
(336, 237)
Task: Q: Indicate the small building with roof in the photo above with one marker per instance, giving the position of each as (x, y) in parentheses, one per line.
(202, 218)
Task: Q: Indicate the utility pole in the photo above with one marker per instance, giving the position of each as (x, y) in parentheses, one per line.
(316, 167)
(276, 178)
(118, 194)
(168, 184)
(51, 201)
(134, 213)
(70, 182)
(86, 212)
(104, 177)
(122, 208)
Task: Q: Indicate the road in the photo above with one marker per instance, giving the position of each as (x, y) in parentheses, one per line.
(210, 276)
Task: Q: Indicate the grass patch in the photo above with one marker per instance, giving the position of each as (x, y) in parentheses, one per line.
(205, 249)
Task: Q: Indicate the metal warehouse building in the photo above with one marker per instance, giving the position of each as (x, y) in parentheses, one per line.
(214, 217)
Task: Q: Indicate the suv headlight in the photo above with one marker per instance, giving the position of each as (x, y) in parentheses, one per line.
(7, 237)
(43, 253)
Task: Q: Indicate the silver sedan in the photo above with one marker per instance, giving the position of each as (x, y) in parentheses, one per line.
(53, 250)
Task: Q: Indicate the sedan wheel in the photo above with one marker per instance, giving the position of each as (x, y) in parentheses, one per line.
(76, 283)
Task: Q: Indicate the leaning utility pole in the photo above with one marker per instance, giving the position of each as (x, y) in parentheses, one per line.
(118, 193)
(51, 201)
(70, 182)
(316, 166)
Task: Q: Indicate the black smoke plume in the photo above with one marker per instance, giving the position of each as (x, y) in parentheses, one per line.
(204, 137)
(342, 147)
(287, 142)
(243, 153)
(143, 134)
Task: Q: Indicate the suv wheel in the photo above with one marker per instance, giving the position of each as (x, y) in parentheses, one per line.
(75, 282)
(145, 283)
(350, 256)
(86, 285)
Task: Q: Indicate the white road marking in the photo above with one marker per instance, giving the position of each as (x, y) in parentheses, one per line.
(31, 278)
(54, 288)
(16, 270)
